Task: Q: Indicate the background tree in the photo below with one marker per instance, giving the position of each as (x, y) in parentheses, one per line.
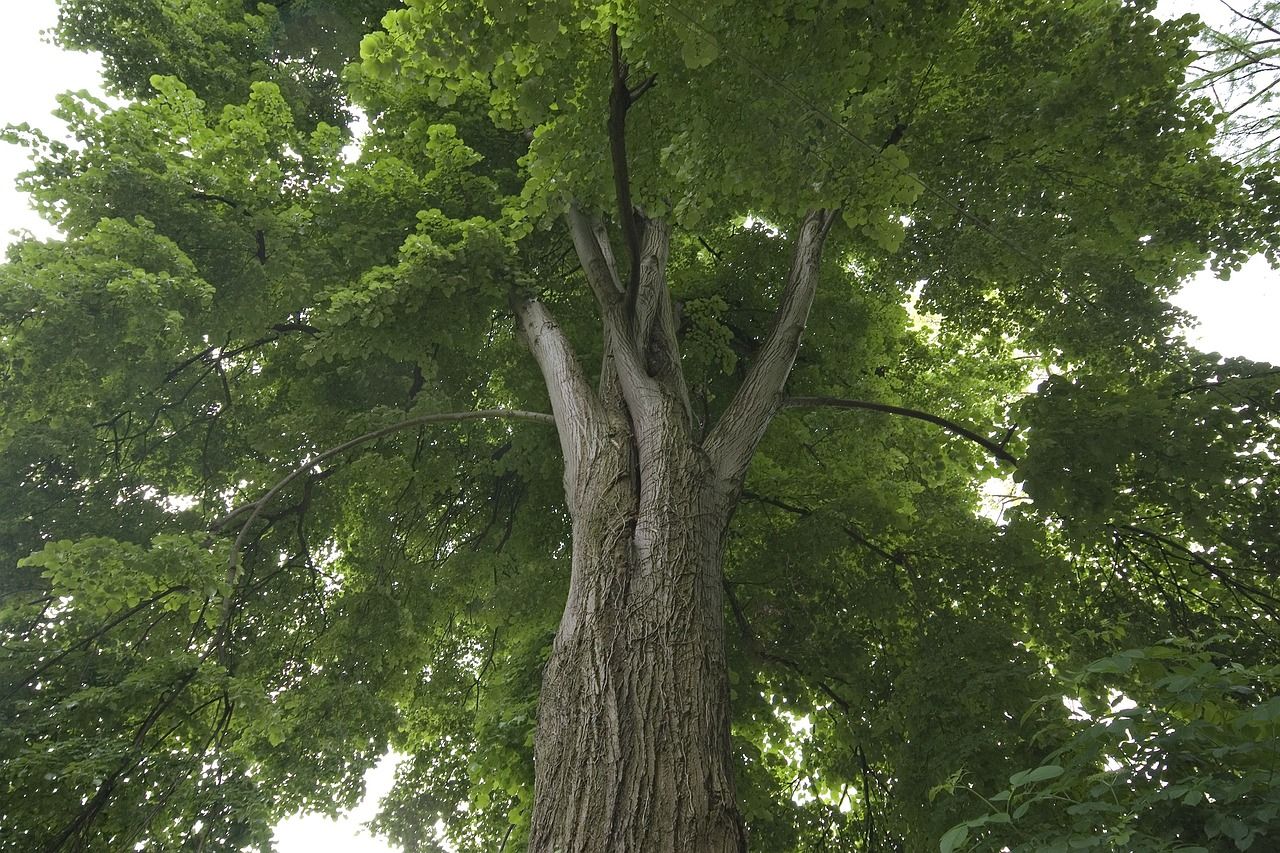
(1237, 67)
(282, 488)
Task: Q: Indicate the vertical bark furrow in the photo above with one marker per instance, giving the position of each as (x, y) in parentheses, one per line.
(633, 753)
(635, 691)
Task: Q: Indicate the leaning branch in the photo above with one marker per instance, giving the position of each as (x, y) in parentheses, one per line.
(952, 427)
(1253, 19)
(734, 438)
(574, 404)
(255, 509)
(591, 244)
(616, 313)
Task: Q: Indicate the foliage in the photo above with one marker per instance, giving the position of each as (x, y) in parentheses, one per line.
(1237, 67)
(1175, 751)
(1022, 184)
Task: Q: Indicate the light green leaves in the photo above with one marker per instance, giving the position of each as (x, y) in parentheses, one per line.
(699, 49)
(1021, 184)
(102, 577)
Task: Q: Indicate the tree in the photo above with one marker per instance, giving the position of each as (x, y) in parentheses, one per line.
(496, 442)
(1237, 67)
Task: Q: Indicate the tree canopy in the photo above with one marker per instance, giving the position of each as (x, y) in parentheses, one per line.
(1237, 69)
(281, 483)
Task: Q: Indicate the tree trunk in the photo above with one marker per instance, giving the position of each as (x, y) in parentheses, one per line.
(632, 753)
(632, 750)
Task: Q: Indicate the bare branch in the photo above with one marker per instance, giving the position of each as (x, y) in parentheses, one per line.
(655, 324)
(596, 257)
(622, 353)
(1251, 18)
(574, 403)
(898, 559)
(733, 439)
(952, 427)
(645, 85)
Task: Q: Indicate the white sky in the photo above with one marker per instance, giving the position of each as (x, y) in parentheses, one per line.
(1239, 317)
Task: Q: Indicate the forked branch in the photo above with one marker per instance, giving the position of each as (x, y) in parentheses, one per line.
(591, 244)
(622, 347)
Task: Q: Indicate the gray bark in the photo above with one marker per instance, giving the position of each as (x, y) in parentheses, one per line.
(632, 752)
(632, 749)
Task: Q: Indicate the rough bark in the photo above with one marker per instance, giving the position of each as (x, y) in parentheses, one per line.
(632, 753)
(633, 725)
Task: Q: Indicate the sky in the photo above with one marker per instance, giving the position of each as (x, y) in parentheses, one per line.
(1238, 317)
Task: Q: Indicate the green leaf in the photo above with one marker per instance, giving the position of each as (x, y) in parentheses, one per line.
(699, 50)
(953, 839)
(1040, 774)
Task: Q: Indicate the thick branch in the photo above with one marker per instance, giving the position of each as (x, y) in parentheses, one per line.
(654, 325)
(596, 258)
(734, 438)
(654, 251)
(573, 401)
(950, 426)
(622, 354)
(655, 317)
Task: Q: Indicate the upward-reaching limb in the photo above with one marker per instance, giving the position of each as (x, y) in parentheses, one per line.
(573, 401)
(734, 437)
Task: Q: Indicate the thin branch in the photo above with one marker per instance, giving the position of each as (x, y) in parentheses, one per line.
(987, 444)
(94, 806)
(757, 647)
(88, 639)
(645, 85)
(200, 195)
(1260, 22)
(1256, 596)
(898, 559)
(305, 328)
(256, 508)
(715, 254)
(1221, 383)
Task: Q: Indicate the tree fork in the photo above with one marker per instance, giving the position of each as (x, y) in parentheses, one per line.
(632, 753)
(632, 750)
